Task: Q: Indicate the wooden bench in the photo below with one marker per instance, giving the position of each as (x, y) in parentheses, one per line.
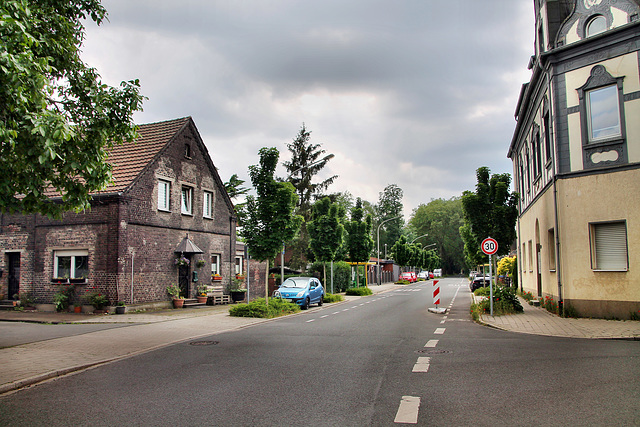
(217, 295)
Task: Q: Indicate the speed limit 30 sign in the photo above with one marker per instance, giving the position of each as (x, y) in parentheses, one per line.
(489, 246)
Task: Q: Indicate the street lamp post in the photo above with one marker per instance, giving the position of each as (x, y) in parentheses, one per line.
(378, 236)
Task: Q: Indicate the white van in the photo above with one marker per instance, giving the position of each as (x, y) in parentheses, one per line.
(437, 272)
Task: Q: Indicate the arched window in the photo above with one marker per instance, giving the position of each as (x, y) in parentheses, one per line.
(596, 25)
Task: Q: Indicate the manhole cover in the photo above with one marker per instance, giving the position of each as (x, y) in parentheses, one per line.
(203, 343)
(433, 351)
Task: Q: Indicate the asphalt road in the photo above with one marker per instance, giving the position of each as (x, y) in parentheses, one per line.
(359, 363)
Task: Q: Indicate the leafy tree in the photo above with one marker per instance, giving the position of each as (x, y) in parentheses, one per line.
(58, 121)
(441, 220)
(325, 231)
(234, 187)
(489, 212)
(401, 252)
(301, 171)
(389, 206)
(359, 241)
(269, 217)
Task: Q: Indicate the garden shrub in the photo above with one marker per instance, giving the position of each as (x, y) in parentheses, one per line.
(341, 275)
(359, 291)
(329, 298)
(505, 301)
(482, 292)
(259, 308)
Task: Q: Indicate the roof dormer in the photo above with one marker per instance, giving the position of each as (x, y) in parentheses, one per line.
(592, 17)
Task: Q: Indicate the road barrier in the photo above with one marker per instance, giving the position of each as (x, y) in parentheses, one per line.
(436, 293)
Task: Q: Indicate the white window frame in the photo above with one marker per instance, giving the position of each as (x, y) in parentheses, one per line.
(57, 254)
(207, 204)
(186, 200)
(618, 132)
(239, 264)
(551, 244)
(215, 264)
(164, 195)
(609, 246)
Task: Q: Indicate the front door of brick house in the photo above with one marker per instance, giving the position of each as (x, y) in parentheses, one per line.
(14, 274)
(183, 277)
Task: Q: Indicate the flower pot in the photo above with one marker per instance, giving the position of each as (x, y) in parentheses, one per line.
(77, 309)
(202, 299)
(121, 309)
(178, 303)
(237, 296)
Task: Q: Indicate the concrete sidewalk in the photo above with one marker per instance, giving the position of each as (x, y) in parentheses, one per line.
(538, 321)
(31, 363)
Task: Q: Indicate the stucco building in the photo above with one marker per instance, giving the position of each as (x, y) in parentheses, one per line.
(167, 204)
(576, 158)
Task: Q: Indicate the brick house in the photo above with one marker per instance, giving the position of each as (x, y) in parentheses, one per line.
(167, 203)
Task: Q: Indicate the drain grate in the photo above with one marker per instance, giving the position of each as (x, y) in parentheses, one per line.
(204, 342)
(433, 351)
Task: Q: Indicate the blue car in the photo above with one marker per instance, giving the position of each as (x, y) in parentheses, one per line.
(301, 290)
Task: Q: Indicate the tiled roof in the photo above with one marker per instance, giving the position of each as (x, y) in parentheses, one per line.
(128, 160)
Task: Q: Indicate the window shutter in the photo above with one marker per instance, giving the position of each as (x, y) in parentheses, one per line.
(611, 246)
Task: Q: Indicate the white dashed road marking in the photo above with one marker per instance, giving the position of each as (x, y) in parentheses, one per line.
(408, 410)
(422, 365)
(440, 331)
(431, 343)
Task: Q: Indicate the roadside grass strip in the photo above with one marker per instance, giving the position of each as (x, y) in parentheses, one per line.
(408, 410)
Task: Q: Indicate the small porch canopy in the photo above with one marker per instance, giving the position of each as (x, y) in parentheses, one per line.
(188, 247)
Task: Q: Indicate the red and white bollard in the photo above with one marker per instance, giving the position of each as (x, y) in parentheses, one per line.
(436, 293)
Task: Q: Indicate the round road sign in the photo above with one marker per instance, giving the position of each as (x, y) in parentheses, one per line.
(489, 246)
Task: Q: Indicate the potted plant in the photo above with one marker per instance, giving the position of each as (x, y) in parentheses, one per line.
(98, 301)
(120, 307)
(200, 263)
(202, 294)
(26, 301)
(237, 290)
(181, 260)
(216, 277)
(174, 292)
(62, 297)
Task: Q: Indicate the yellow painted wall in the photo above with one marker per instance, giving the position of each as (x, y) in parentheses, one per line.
(597, 198)
(543, 212)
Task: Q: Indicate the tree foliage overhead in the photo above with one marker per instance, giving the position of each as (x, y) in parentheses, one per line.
(389, 206)
(441, 220)
(269, 218)
(490, 211)
(325, 230)
(301, 169)
(57, 119)
(359, 241)
(301, 173)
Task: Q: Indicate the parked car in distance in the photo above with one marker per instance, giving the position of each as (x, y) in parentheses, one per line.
(423, 275)
(431, 276)
(409, 276)
(437, 272)
(302, 291)
(479, 281)
(472, 274)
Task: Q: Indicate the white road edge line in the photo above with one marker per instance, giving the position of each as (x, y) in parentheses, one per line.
(408, 410)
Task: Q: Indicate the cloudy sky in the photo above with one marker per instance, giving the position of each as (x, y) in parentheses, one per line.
(417, 93)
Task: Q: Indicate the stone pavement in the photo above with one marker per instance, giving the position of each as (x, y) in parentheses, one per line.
(538, 321)
(34, 362)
